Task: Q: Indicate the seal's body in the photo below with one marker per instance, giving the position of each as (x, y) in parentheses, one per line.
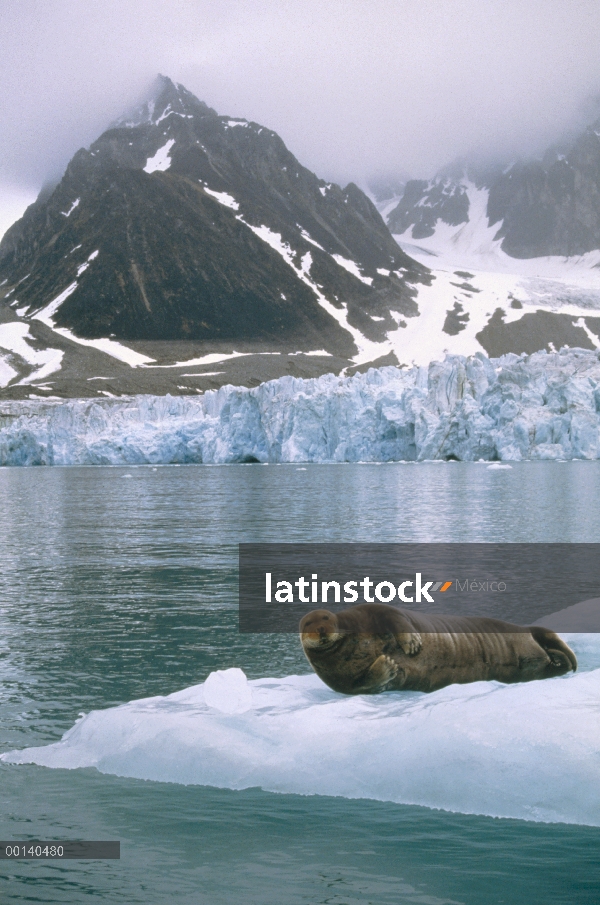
(373, 647)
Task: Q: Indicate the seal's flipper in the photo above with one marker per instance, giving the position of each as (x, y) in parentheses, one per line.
(410, 642)
(379, 674)
(562, 658)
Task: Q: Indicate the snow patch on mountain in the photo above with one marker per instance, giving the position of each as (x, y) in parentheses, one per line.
(13, 340)
(46, 317)
(353, 268)
(7, 373)
(161, 160)
(223, 198)
(474, 277)
(83, 267)
(71, 209)
(47, 313)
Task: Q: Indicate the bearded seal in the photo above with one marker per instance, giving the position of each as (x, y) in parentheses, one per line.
(372, 648)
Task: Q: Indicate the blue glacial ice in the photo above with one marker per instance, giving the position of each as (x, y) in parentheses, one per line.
(542, 406)
(529, 751)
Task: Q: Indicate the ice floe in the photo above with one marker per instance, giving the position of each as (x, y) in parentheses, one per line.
(528, 751)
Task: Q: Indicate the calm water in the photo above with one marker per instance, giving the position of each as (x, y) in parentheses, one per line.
(120, 583)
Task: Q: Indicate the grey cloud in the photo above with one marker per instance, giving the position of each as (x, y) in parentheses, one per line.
(356, 89)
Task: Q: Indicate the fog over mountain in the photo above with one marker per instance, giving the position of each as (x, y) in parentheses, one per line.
(358, 91)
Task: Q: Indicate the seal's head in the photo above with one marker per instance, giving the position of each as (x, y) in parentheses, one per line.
(319, 630)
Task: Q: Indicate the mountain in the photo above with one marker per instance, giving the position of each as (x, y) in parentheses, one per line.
(185, 250)
(514, 251)
(540, 207)
(181, 239)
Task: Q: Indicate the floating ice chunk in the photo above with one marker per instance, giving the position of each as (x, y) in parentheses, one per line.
(527, 751)
(497, 466)
(228, 690)
(161, 160)
(581, 617)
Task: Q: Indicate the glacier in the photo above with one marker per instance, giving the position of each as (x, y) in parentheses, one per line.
(540, 406)
(527, 751)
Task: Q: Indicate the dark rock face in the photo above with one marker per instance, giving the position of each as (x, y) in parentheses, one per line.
(551, 208)
(534, 332)
(180, 224)
(456, 320)
(542, 207)
(424, 203)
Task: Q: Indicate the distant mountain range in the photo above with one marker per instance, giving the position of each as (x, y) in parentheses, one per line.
(539, 207)
(514, 251)
(185, 250)
(181, 234)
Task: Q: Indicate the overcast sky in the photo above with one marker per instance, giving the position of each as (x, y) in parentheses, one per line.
(356, 88)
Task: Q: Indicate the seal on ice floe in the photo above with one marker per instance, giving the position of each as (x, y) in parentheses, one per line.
(372, 648)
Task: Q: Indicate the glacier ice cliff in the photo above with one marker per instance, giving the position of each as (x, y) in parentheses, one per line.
(541, 406)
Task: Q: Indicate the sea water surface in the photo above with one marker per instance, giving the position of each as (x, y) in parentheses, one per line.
(119, 584)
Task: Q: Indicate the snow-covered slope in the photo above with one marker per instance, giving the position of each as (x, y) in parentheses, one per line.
(545, 406)
(179, 227)
(482, 298)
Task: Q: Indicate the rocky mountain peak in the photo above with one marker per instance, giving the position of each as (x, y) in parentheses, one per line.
(185, 233)
(164, 98)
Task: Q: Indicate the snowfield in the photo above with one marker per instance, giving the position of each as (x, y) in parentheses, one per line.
(472, 271)
(542, 406)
